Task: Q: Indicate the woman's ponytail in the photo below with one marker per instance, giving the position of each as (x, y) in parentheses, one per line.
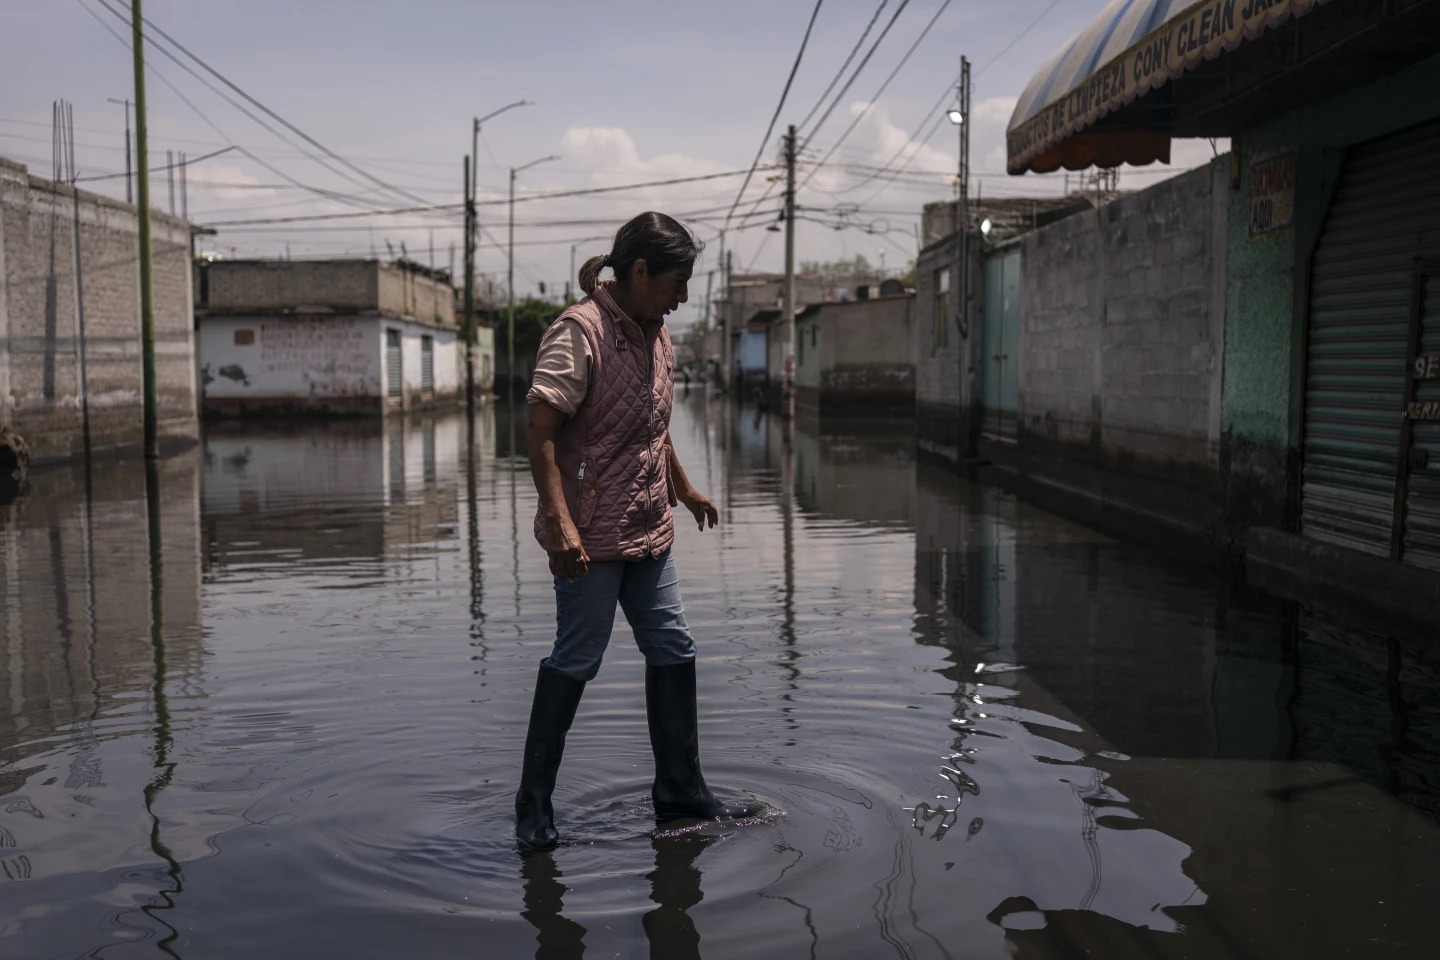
(661, 241)
(590, 273)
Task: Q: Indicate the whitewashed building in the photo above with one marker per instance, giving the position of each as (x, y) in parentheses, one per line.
(334, 337)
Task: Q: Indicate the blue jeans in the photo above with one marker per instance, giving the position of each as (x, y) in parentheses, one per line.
(647, 590)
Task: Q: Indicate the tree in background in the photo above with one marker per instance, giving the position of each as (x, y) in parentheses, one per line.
(533, 317)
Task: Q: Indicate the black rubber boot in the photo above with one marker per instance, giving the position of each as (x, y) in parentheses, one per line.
(551, 713)
(680, 789)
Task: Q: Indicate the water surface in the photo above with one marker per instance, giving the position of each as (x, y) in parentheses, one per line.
(294, 729)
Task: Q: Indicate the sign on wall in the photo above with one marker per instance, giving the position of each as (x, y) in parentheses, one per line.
(1272, 194)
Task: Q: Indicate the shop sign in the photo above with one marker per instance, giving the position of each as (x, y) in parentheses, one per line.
(1200, 33)
(1272, 194)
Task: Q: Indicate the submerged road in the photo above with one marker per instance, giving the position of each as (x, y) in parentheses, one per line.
(294, 730)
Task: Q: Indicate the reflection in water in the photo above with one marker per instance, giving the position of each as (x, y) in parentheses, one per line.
(993, 732)
(675, 888)
(164, 766)
(557, 936)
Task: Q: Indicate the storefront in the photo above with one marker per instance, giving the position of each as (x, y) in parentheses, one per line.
(1330, 388)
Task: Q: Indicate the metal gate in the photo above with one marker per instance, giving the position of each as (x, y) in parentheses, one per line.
(1363, 332)
(427, 366)
(394, 375)
(1000, 336)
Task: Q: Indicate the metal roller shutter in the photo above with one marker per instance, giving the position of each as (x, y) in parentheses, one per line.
(394, 377)
(1361, 306)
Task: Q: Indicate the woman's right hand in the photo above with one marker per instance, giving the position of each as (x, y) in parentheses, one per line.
(567, 554)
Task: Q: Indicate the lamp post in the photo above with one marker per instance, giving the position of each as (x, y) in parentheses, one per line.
(510, 277)
(472, 229)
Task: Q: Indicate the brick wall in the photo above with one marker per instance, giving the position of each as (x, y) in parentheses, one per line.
(1122, 330)
(40, 383)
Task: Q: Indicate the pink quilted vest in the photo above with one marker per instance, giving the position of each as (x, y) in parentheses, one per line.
(613, 459)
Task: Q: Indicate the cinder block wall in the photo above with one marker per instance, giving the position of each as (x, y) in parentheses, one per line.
(259, 285)
(945, 388)
(40, 385)
(409, 294)
(1122, 332)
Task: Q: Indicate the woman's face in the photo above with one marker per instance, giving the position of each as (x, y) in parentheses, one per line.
(655, 295)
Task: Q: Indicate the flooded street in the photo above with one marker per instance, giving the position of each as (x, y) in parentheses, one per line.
(986, 731)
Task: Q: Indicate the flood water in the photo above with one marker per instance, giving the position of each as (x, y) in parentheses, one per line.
(294, 730)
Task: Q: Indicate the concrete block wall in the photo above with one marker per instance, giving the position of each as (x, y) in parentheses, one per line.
(41, 392)
(943, 396)
(292, 285)
(1122, 326)
(406, 293)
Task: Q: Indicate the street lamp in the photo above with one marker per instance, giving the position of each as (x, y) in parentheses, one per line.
(472, 229)
(956, 117)
(510, 277)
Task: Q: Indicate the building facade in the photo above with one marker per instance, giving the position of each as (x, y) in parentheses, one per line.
(70, 347)
(853, 359)
(1280, 378)
(340, 337)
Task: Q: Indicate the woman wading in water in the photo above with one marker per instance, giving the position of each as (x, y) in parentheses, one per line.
(600, 453)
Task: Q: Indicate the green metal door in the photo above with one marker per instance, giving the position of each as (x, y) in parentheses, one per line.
(1360, 341)
(1000, 335)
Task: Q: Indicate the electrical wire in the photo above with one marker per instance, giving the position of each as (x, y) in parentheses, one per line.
(874, 18)
(318, 191)
(778, 107)
(260, 106)
(858, 70)
(871, 102)
(431, 208)
(945, 94)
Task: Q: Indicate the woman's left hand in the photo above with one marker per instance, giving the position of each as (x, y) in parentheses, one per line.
(701, 507)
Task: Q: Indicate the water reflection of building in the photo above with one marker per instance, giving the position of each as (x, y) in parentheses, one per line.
(76, 614)
(384, 484)
(870, 479)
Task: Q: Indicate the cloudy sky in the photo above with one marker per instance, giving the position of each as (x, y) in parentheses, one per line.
(629, 91)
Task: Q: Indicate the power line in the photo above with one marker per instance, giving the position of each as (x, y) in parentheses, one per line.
(262, 107)
(318, 191)
(1018, 37)
(874, 17)
(778, 107)
(431, 208)
(871, 102)
(854, 76)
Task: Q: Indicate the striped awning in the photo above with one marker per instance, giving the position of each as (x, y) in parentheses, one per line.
(1132, 48)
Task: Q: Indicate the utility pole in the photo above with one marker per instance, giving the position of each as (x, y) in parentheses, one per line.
(728, 349)
(962, 206)
(129, 177)
(788, 381)
(147, 295)
(570, 278)
(469, 290)
(472, 236)
(510, 279)
(705, 320)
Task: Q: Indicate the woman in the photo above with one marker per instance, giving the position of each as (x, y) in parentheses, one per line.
(600, 453)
